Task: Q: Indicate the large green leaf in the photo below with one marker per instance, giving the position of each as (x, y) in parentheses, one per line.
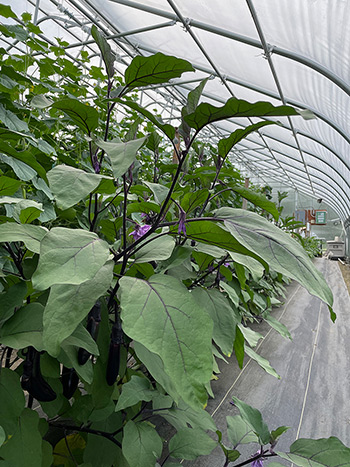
(254, 420)
(281, 252)
(70, 185)
(12, 400)
(8, 186)
(107, 55)
(240, 431)
(162, 315)
(25, 443)
(190, 443)
(324, 452)
(27, 210)
(122, 155)
(167, 129)
(7, 12)
(158, 68)
(83, 115)
(68, 305)
(69, 256)
(256, 268)
(30, 235)
(224, 316)
(141, 445)
(207, 113)
(191, 105)
(257, 199)
(24, 328)
(156, 250)
(159, 191)
(225, 145)
(11, 120)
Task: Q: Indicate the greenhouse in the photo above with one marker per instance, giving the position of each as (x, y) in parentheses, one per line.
(174, 233)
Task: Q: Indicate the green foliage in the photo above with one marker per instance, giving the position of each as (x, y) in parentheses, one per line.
(93, 211)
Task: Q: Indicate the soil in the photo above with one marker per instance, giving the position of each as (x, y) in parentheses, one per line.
(345, 269)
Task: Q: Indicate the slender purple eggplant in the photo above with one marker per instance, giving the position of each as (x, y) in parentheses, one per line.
(32, 379)
(70, 381)
(113, 363)
(93, 323)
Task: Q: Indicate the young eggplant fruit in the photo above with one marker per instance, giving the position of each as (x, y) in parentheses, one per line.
(32, 379)
(70, 381)
(114, 353)
(93, 323)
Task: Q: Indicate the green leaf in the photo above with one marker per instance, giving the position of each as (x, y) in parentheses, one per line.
(258, 200)
(11, 299)
(274, 323)
(225, 145)
(136, 390)
(141, 445)
(159, 191)
(158, 68)
(6, 11)
(262, 362)
(324, 452)
(162, 315)
(189, 443)
(207, 113)
(69, 451)
(83, 115)
(107, 55)
(252, 337)
(224, 316)
(30, 235)
(8, 186)
(24, 157)
(239, 347)
(122, 155)
(2, 436)
(281, 252)
(157, 249)
(25, 443)
(69, 256)
(275, 434)
(191, 105)
(192, 200)
(254, 266)
(27, 210)
(254, 420)
(24, 328)
(68, 305)
(70, 185)
(12, 400)
(155, 366)
(40, 101)
(240, 431)
(11, 120)
(167, 129)
(232, 294)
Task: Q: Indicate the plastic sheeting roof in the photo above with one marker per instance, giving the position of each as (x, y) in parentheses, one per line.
(295, 52)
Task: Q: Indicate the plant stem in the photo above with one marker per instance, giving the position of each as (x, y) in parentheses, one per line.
(15, 258)
(86, 430)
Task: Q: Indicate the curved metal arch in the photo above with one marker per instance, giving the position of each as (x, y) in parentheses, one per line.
(245, 40)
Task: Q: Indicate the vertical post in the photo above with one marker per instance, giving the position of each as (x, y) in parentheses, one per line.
(246, 185)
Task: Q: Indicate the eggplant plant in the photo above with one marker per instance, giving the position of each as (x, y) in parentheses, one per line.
(126, 271)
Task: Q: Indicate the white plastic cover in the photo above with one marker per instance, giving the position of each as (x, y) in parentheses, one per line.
(308, 46)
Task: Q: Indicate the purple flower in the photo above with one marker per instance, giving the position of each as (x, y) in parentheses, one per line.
(140, 231)
(227, 265)
(182, 219)
(257, 463)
